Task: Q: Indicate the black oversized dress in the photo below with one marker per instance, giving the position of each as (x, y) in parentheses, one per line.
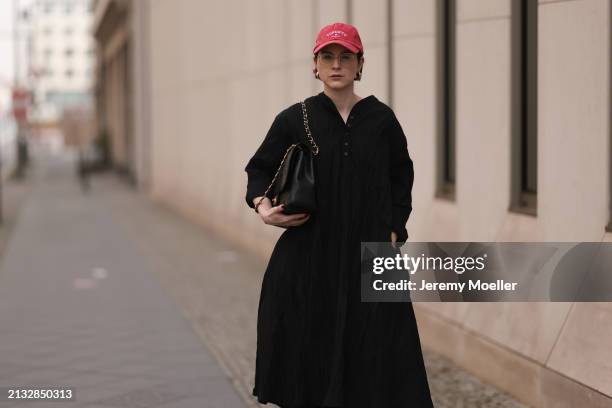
(317, 343)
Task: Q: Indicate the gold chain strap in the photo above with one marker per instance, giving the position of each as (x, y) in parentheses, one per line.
(315, 151)
(315, 148)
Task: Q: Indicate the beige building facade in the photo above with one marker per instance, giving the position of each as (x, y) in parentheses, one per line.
(506, 109)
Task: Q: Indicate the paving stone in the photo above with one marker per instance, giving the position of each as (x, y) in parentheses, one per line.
(116, 336)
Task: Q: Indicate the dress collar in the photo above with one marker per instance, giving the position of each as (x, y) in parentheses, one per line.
(329, 103)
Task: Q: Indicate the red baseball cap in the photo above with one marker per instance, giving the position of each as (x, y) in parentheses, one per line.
(339, 33)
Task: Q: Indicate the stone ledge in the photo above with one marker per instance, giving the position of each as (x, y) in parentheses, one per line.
(527, 381)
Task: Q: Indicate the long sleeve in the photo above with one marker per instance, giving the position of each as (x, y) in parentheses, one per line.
(264, 163)
(401, 177)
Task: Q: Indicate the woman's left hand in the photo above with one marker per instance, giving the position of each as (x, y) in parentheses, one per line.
(393, 238)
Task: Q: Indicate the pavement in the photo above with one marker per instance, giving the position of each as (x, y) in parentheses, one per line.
(133, 305)
(80, 308)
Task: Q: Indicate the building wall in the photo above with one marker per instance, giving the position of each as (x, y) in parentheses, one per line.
(216, 87)
(118, 110)
(139, 72)
(115, 83)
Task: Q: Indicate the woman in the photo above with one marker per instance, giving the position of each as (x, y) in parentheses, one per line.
(318, 345)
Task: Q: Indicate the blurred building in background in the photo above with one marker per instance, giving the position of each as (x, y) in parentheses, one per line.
(8, 81)
(53, 57)
(506, 108)
(78, 127)
(61, 57)
(8, 137)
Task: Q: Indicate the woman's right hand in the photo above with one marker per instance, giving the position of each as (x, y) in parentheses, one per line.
(274, 216)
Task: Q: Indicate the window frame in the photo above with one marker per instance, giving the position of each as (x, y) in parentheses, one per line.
(446, 69)
(524, 101)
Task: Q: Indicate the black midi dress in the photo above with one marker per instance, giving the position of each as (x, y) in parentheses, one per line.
(317, 343)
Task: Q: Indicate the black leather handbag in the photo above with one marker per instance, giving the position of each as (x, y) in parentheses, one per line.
(294, 182)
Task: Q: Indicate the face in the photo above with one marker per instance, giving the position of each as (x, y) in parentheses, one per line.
(337, 66)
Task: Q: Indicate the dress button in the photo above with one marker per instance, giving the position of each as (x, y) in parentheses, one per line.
(346, 143)
(346, 153)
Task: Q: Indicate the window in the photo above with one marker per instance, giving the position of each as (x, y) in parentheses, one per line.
(69, 73)
(524, 181)
(445, 60)
(69, 52)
